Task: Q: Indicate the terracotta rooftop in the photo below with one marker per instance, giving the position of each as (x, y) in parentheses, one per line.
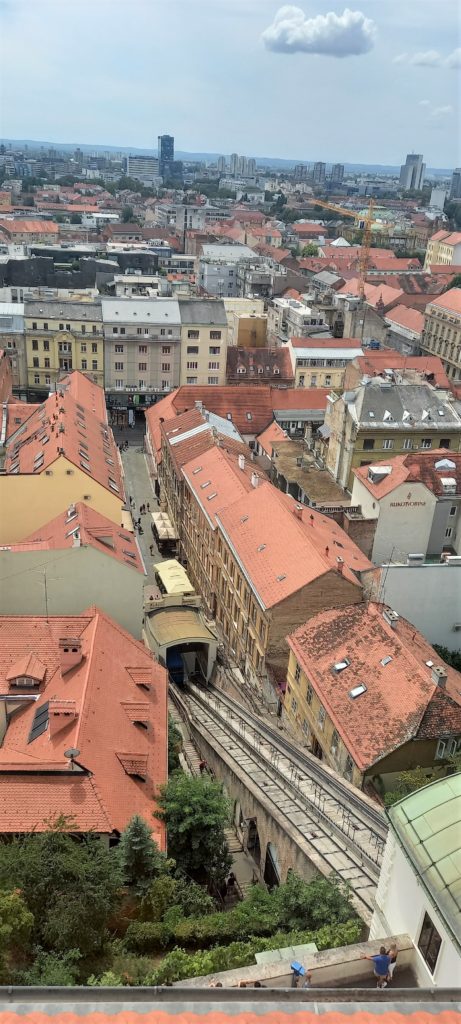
(64, 427)
(114, 671)
(373, 363)
(428, 468)
(17, 413)
(404, 316)
(381, 294)
(451, 300)
(217, 480)
(397, 695)
(263, 364)
(32, 227)
(25, 799)
(86, 392)
(283, 546)
(339, 343)
(289, 399)
(236, 403)
(447, 237)
(272, 433)
(80, 525)
(241, 1013)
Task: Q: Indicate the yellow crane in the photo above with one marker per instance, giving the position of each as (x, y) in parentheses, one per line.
(365, 225)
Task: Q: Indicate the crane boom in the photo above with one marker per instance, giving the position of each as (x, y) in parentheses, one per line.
(365, 223)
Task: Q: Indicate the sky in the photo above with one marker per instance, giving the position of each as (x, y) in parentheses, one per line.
(318, 80)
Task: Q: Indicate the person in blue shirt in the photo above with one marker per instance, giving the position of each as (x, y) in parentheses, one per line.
(381, 963)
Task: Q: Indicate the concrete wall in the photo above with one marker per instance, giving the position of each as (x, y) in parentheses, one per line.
(429, 596)
(401, 902)
(75, 578)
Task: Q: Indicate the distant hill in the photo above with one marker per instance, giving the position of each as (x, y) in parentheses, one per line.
(277, 163)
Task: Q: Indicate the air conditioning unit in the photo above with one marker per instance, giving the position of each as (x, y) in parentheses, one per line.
(415, 559)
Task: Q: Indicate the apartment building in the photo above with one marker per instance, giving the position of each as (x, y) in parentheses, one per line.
(370, 697)
(203, 341)
(260, 278)
(142, 339)
(24, 232)
(263, 365)
(217, 268)
(80, 682)
(443, 248)
(416, 502)
(322, 362)
(6, 384)
(62, 454)
(441, 335)
(12, 340)
(61, 336)
(278, 563)
(289, 318)
(380, 418)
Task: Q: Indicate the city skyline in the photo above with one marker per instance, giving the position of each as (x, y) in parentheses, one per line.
(401, 91)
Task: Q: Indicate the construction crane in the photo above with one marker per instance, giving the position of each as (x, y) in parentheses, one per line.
(365, 225)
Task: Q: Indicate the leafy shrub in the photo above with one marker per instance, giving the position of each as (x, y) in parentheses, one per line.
(51, 969)
(146, 936)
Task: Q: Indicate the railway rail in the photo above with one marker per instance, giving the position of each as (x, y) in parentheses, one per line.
(344, 832)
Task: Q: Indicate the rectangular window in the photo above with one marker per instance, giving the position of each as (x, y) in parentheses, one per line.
(294, 704)
(94, 364)
(37, 378)
(388, 443)
(166, 349)
(426, 442)
(321, 717)
(47, 378)
(142, 349)
(119, 366)
(35, 346)
(142, 366)
(191, 380)
(34, 326)
(448, 532)
(122, 330)
(452, 510)
(46, 346)
(166, 367)
(215, 335)
(214, 350)
(84, 364)
(193, 334)
(368, 444)
(192, 366)
(297, 672)
(334, 742)
(429, 943)
(115, 330)
(45, 327)
(118, 348)
(309, 694)
(407, 444)
(35, 361)
(139, 330)
(47, 363)
(94, 347)
(444, 442)
(213, 366)
(83, 347)
(213, 380)
(119, 383)
(348, 767)
(83, 328)
(94, 329)
(67, 327)
(141, 384)
(327, 381)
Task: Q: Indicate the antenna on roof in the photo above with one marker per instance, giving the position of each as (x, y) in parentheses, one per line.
(71, 754)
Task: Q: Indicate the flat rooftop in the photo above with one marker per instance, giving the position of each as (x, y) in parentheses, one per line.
(316, 483)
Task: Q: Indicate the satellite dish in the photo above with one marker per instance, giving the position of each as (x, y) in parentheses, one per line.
(71, 754)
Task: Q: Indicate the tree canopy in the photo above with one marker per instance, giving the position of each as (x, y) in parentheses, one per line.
(195, 812)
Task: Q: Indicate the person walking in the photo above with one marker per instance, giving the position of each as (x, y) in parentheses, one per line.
(381, 963)
(393, 954)
(151, 549)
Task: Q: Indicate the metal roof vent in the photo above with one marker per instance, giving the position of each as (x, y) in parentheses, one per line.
(391, 617)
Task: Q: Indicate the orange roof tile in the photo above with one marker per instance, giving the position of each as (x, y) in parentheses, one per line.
(450, 300)
(86, 392)
(299, 398)
(155, 416)
(92, 529)
(391, 709)
(283, 546)
(64, 427)
(27, 665)
(29, 801)
(237, 401)
(45, 227)
(313, 342)
(405, 316)
(263, 364)
(417, 467)
(216, 480)
(224, 1015)
(447, 237)
(17, 413)
(272, 433)
(112, 671)
(373, 363)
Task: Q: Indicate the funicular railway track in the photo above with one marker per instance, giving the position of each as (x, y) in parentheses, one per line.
(339, 826)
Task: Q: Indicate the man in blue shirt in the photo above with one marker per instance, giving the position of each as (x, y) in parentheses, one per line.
(381, 963)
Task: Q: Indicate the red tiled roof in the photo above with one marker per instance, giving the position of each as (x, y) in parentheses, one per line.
(155, 416)
(390, 711)
(30, 227)
(272, 433)
(284, 546)
(29, 801)
(450, 300)
(223, 1015)
(447, 237)
(93, 529)
(374, 294)
(313, 342)
(442, 268)
(216, 480)
(17, 413)
(190, 434)
(299, 398)
(373, 363)
(405, 316)
(233, 400)
(86, 392)
(64, 427)
(110, 673)
(259, 363)
(416, 467)
(308, 229)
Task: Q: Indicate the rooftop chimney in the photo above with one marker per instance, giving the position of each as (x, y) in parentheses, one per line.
(254, 479)
(298, 511)
(199, 406)
(241, 461)
(340, 564)
(76, 542)
(439, 675)
(391, 617)
(71, 654)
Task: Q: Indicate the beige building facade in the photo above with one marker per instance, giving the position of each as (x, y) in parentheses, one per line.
(204, 333)
(443, 248)
(61, 336)
(442, 332)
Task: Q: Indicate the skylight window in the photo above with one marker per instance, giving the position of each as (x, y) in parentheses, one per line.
(214, 495)
(339, 666)
(261, 547)
(386, 661)
(282, 576)
(39, 722)
(357, 691)
(206, 484)
(198, 469)
(113, 485)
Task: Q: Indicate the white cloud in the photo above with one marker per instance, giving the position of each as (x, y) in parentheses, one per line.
(429, 59)
(425, 103)
(441, 111)
(331, 35)
(454, 59)
(401, 58)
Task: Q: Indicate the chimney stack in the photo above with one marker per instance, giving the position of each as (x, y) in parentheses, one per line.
(340, 564)
(71, 654)
(439, 675)
(254, 479)
(241, 461)
(298, 511)
(391, 617)
(76, 542)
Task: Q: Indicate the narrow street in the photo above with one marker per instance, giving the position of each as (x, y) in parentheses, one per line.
(138, 487)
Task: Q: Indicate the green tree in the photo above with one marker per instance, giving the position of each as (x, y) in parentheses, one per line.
(311, 249)
(313, 904)
(139, 856)
(59, 218)
(16, 923)
(174, 745)
(455, 283)
(452, 658)
(127, 215)
(71, 888)
(75, 218)
(196, 812)
(408, 782)
(51, 969)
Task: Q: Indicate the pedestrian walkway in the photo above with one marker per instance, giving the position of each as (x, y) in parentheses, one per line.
(138, 487)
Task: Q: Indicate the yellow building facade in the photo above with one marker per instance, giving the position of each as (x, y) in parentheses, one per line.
(61, 336)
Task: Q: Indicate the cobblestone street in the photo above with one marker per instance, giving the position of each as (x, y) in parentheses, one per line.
(138, 486)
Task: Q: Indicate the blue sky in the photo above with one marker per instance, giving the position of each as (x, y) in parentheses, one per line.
(364, 81)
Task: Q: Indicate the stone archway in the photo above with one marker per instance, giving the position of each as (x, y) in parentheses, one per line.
(272, 872)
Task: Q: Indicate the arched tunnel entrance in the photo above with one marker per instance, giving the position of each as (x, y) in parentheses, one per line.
(271, 867)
